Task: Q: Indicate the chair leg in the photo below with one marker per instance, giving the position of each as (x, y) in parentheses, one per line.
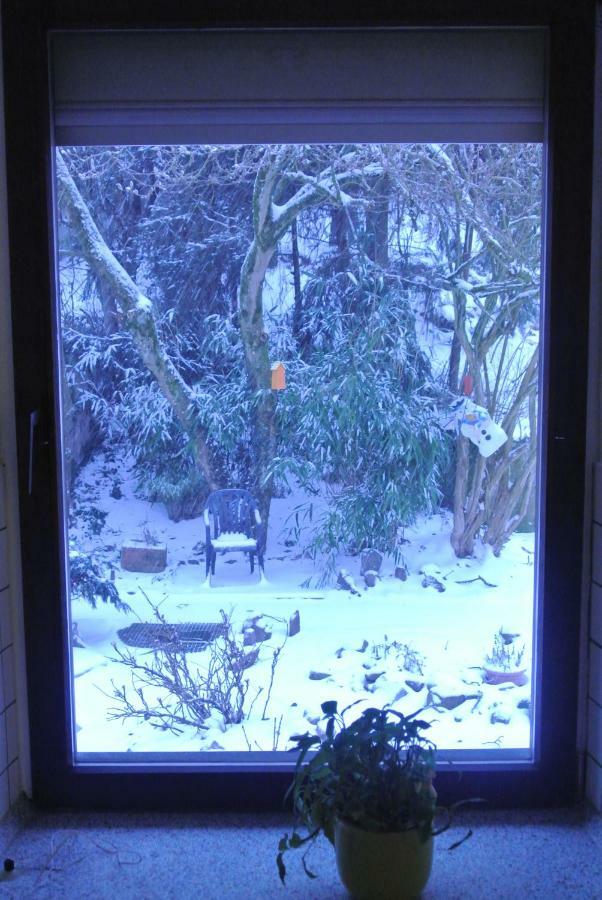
(252, 561)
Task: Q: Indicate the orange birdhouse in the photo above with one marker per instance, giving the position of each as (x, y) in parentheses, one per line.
(278, 376)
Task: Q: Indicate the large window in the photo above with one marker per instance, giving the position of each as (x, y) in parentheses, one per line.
(332, 274)
(300, 439)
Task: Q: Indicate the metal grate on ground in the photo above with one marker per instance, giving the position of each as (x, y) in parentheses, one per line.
(189, 637)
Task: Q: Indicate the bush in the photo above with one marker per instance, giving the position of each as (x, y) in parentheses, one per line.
(185, 694)
(357, 422)
(88, 584)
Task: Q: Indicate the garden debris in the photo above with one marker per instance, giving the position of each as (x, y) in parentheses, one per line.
(432, 578)
(478, 578)
(346, 582)
(255, 631)
(294, 624)
(76, 638)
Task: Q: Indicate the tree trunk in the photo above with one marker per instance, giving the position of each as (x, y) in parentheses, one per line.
(509, 502)
(110, 314)
(298, 306)
(339, 237)
(377, 223)
(139, 319)
(453, 379)
(270, 223)
(468, 516)
(255, 342)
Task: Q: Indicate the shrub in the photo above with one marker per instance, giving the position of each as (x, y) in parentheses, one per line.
(185, 694)
(88, 584)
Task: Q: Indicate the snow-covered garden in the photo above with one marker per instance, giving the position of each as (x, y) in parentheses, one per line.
(399, 642)
(338, 331)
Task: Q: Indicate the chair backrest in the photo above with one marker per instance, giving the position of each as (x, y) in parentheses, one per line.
(232, 510)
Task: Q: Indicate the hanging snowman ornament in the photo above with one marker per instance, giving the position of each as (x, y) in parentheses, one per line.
(478, 426)
(475, 423)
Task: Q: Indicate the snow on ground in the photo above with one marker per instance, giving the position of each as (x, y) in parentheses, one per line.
(342, 641)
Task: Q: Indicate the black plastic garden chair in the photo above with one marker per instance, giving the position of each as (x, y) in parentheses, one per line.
(233, 522)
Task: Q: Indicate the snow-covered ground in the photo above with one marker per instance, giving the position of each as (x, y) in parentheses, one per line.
(339, 653)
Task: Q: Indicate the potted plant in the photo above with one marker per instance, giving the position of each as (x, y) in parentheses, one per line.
(505, 662)
(369, 789)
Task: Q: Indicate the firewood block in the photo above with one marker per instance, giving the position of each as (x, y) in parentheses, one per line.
(138, 556)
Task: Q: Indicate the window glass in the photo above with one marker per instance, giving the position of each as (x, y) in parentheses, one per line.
(300, 433)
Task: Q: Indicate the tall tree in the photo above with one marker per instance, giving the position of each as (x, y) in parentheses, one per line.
(284, 188)
(138, 316)
(483, 205)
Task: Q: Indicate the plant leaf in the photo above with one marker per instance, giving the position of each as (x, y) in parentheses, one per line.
(281, 867)
(307, 870)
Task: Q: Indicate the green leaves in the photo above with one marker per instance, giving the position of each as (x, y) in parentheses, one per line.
(354, 416)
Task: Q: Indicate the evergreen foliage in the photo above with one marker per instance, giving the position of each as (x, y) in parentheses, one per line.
(357, 421)
(88, 584)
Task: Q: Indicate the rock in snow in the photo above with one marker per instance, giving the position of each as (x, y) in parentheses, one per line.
(370, 577)
(451, 701)
(509, 632)
(501, 714)
(371, 677)
(370, 561)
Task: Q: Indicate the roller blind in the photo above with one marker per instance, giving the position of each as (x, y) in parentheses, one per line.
(135, 87)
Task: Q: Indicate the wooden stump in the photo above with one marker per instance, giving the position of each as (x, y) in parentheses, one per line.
(138, 556)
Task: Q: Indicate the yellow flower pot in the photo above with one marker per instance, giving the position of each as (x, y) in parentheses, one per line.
(382, 865)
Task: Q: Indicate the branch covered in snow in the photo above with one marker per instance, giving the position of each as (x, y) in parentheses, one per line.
(138, 314)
